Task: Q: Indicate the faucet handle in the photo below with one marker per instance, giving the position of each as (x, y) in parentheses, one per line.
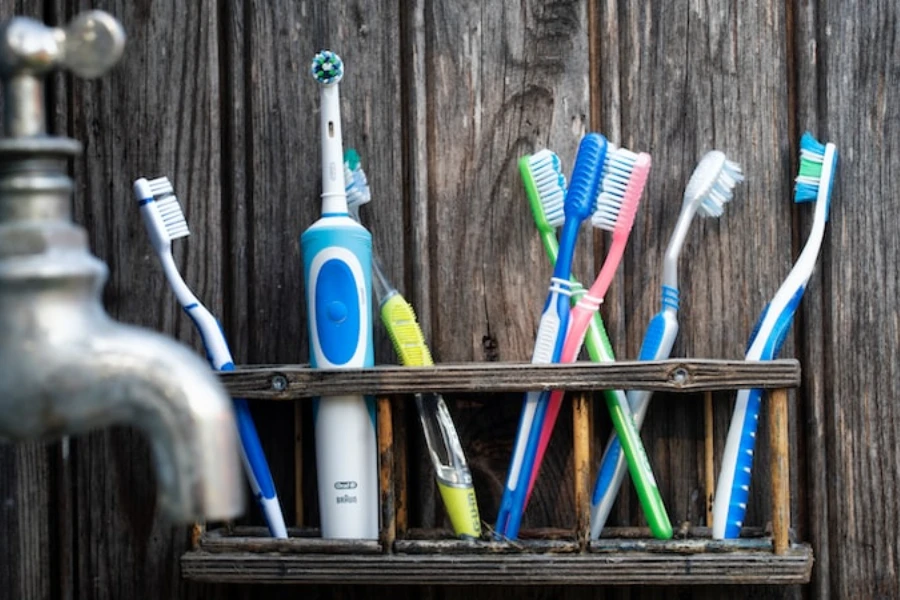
(88, 46)
(93, 42)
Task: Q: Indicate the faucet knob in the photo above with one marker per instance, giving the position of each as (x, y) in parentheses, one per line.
(88, 47)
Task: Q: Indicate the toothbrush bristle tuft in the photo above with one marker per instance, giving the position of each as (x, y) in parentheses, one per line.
(160, 186)
(722, 190)
(550, 183)
(624, 176)
(172, 216)
(327, 67)
(812, 165)
(712, 184)
(356, 186)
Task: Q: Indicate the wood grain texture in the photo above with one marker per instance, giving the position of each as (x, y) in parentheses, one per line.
(681, 79)
(441, 98)
(156, 113)
(620, 568)
(858, 65)
(288, 382)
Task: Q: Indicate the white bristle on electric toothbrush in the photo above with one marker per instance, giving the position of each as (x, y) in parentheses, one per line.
(337, 268)
(164, 221)
(709, 188)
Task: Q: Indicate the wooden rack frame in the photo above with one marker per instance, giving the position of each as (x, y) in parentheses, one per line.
(623, 556)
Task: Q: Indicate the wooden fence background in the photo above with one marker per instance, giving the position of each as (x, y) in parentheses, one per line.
(441, 98)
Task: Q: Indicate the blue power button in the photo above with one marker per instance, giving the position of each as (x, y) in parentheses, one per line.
(338, 317)
(337, 311)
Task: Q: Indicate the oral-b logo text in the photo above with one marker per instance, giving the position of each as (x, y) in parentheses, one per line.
(345, 485)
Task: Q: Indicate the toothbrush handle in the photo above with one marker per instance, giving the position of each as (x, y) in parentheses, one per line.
(547, 348)
(451, 470)
(732, 492)
(254, 458)
(657, 344)
(337, 259)
(733, 488)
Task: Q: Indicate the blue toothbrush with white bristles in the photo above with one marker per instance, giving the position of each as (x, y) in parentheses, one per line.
(337, 268)
(818, 164)
(580, 203)
(164, 221)
(708, 190)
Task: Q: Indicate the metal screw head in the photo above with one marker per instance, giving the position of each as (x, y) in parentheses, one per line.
(279, 383)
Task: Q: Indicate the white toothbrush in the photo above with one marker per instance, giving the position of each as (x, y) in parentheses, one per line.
(708, 190)
(164, 221)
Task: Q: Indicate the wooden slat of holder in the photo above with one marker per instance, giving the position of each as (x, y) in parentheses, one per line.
(629, 557)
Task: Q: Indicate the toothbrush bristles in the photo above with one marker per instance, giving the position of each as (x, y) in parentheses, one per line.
(551, 185)
(173, 217)
(624, 176)
(327, 67)
(356, 186)
(160, 186)
(722, 190)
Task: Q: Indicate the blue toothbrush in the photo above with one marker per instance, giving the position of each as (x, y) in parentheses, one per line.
(337, 267)
(818, 164)
(164, 221)
(580, 203)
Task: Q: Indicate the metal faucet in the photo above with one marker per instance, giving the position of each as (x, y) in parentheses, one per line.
(65, 366)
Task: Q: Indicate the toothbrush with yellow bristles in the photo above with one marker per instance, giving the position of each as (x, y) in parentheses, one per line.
(452, 473)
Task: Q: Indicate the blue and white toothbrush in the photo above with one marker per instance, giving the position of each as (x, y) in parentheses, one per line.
(337, 267)
(818, 163)
(164, 221)
(580, 203)
(708, 190)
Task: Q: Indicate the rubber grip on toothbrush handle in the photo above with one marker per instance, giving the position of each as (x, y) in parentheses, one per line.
(731, 497)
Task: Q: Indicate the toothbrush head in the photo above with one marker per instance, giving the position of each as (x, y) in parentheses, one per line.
(163, 217)
(356, 186)
(327, 67)
(624, 176)
(545, 186)
(712, 183)
(581, 197)
(818, 164)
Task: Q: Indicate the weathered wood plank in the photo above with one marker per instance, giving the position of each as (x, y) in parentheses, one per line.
(626, 568)
(288, 382)
(501, 80)
(857, 60)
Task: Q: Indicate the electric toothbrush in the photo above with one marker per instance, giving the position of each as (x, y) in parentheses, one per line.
(337, 265)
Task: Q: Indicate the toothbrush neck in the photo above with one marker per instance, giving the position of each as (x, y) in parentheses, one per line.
(332, 146)
(567, 238)
(673, 250)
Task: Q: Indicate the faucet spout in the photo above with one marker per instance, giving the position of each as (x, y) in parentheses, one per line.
(65, 366)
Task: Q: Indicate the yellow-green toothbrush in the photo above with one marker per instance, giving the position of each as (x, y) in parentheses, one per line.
(451, 470)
